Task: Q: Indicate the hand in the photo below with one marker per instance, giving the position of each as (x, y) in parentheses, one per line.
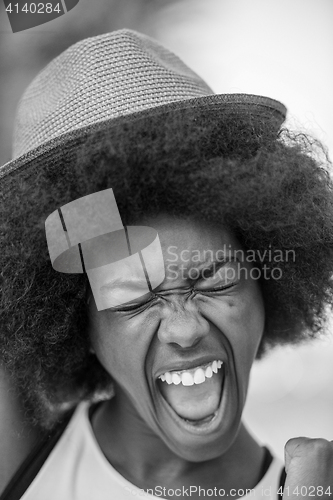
(309, 464)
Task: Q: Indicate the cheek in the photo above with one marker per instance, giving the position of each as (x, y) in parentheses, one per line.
(121, 346)
(249, 326)
(240, 318)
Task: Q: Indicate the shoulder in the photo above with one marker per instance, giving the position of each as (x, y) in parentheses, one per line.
(17, 436)
(33, 463)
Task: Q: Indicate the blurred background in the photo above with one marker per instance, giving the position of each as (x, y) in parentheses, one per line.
(279, 48)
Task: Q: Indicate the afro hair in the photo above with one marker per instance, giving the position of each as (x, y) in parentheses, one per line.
(272, 191)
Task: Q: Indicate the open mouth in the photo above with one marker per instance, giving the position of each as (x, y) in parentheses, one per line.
(194, 394)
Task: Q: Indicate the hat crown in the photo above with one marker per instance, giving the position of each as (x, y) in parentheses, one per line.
(101, 78)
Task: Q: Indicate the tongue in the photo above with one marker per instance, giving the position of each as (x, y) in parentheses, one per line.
(194, 402)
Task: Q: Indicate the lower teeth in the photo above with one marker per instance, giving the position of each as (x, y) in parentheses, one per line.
(202, 421)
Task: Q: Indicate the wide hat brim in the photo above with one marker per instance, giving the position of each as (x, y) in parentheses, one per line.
(213, 111)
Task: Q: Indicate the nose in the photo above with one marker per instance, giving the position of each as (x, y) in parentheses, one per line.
(182, 325)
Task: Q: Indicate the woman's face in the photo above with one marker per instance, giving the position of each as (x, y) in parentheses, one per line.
(183, 353)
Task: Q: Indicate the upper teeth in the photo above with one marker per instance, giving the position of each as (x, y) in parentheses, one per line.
(194, 376)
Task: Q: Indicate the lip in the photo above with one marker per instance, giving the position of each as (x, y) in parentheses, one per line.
(205, 428)
(190, 364)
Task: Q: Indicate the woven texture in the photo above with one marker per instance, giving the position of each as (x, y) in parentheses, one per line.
(105, 84)
(99, 78)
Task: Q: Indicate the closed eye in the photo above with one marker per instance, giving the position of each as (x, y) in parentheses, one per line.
(136, 306)
(223, 278)
(211, 282)
(217, 289)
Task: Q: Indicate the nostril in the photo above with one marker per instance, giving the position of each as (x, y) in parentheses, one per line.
(178, 345)
(194, 343)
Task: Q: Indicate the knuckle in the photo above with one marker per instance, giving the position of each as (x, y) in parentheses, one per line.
(318, 447)
(322, 448)
(296, 442)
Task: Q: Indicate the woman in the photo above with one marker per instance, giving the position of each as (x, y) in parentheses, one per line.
(222, 188)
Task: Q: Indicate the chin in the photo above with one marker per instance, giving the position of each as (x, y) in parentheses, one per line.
(200, 433)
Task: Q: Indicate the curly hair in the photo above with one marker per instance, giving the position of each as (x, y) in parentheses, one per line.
(271, 191)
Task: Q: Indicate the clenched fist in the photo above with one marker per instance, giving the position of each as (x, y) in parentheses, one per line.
(309, 467)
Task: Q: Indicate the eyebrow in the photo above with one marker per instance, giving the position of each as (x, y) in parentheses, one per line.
(205, 272)
(214, 266)
(123, 283)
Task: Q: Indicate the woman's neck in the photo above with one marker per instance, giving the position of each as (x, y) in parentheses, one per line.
(145, 460)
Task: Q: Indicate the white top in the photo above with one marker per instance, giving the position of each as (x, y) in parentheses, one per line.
(77, 469)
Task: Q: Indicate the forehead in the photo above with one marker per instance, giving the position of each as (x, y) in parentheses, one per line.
(183, 244)
(188, 240)
(189, 246)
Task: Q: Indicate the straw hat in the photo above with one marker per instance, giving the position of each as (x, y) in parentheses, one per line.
(108, 82)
